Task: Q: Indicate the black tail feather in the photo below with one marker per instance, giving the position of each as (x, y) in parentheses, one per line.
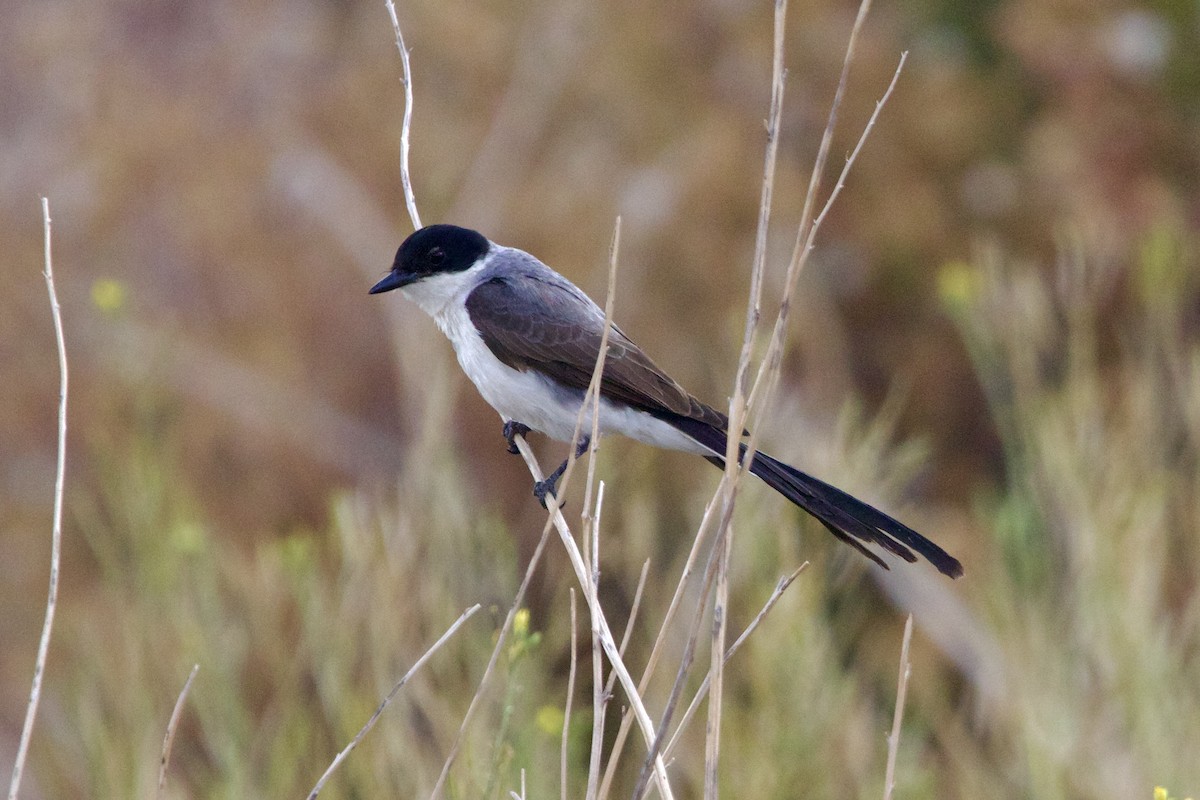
(849, 519)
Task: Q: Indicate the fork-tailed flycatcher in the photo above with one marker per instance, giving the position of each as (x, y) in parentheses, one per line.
(528, 339)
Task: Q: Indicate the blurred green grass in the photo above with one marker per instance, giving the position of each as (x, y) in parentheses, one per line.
(300, 494)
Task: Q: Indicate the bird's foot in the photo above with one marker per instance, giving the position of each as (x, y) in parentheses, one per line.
(549, 485)
(546, 488)
(513, 429)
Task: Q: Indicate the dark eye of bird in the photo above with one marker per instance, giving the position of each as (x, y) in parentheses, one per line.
(436, 256)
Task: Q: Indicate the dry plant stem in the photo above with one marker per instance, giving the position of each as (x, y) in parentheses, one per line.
(768, 373)
(556, 519)
(606, 638)
(39, 664)
(611, 682)
(599, 696)
(567, 707)
(491, 665)
(633, 612)
(716, 672)
(737, 406)
(410, 199)
(626, 718)
(390, 695)
(889, 781)
(806, 235)
(768, 370)
(814, 181)
(738, 412)
(685, 666)
(660, 640)
(172, 726)
(593, 395)
(702, 692)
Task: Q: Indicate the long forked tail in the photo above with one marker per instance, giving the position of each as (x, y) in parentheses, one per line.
(849, 519)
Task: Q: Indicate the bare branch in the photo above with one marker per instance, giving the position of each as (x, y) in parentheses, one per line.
(39, 666)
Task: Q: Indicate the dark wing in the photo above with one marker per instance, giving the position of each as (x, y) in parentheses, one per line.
(536, 322)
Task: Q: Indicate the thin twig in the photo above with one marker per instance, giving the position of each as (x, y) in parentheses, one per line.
(633, 611)
(738, 408)
(626, 718)
(567, 708)
(466, 615)
(591, 528)
(738, 412)
(594, 387)
(559, 522)
(685, 665)
(818, 172)
(606, 638)
(491, 665)
(716, 671)
(660, 640)
(39, 665)
(806, 234)
(172, 726)
(410, 199)
(593, 394)
(702, 692)
(862, 140)
(599, 696)
(889, 781)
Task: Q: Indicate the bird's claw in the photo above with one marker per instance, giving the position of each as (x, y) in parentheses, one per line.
(546, 488)
(513, 429)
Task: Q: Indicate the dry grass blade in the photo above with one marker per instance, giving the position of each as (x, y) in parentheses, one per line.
(466, 615)
(491, 665)
(599, 695)
(702, 692)
(606, 638)
(410, 199)
(633, 612)
(39, 665)
(659, 642)
(685, 665)
(889, 780)
(806, 237)
(172, 726)
(566, 727)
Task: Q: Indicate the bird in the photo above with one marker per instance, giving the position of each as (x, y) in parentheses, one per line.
(529, 338)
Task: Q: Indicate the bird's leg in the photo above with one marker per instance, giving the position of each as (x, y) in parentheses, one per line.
(549, 485)
(513, 429)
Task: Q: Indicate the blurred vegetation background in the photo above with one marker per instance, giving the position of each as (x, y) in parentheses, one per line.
(288, 482)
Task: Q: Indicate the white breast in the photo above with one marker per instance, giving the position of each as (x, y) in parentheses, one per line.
(527, 396)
